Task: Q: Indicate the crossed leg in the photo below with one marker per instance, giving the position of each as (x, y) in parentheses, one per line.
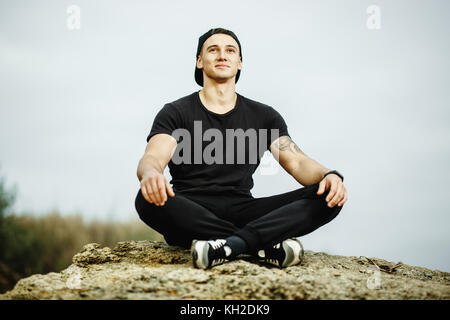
(269, 220)
(261, 222)
(182, 220)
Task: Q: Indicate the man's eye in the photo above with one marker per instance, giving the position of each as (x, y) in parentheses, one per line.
(232, 50)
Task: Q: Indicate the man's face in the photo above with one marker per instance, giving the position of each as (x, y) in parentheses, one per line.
(219, 58)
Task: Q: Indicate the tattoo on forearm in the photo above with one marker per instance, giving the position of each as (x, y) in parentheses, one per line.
(285, 143)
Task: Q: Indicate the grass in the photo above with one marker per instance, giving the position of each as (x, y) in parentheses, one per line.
(40, 244)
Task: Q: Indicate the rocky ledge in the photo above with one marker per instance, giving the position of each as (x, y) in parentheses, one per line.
(154, 270)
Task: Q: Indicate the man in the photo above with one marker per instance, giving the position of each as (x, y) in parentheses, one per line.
(210, 208)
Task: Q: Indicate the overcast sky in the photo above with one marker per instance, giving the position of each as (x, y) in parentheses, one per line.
(77, 105)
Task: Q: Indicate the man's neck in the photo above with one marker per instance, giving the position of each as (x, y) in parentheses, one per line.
(218, 98)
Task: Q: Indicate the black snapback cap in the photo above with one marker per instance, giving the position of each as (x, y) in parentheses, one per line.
(199, 72)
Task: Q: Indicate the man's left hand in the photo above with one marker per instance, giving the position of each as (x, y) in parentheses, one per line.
(337, 194)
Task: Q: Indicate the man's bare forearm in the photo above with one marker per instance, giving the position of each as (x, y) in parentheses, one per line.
(309, 172)
(147, 164)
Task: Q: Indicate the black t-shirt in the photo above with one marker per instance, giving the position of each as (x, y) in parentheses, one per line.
(191, 167)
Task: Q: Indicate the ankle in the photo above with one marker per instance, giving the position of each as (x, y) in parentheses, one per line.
(236, 244)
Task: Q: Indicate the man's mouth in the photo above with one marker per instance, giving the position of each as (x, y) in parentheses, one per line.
(222, 66)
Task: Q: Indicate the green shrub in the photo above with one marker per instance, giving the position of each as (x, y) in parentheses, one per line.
(31, 244)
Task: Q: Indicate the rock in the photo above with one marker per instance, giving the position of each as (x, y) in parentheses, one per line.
(93, 254)
(154, 270)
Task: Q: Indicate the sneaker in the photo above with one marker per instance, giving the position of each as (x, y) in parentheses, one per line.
(207, 254)
(285, 254)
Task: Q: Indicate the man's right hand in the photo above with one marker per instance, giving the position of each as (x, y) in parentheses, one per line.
(155, 187)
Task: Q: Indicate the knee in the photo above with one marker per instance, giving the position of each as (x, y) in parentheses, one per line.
(333, 212)
(150, 214)
(138, 202)
(157, 214)
(323, 197)
(336, 209)
(325, 209)
(143, 207)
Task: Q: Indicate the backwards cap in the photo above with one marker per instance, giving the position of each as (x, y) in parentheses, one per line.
(199, 72)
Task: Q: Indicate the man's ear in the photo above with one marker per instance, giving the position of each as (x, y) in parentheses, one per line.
(199, 62)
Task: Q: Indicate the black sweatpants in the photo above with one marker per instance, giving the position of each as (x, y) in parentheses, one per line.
(261, 222)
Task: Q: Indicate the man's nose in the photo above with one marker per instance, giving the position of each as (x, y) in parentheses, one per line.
(222, 55)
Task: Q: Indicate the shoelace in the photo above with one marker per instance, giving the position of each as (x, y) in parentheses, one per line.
(275, 261)
(277, 254)
(216, 244)
(217, 261)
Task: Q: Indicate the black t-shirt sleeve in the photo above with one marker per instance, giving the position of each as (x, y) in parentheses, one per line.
(166, 121)
(276, 121)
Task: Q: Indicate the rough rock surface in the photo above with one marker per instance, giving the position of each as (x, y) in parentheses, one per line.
(154, 270)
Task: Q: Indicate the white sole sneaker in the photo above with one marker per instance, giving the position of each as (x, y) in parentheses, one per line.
(284, 254)
(294, 252)
(199, 252)
(207, 254)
